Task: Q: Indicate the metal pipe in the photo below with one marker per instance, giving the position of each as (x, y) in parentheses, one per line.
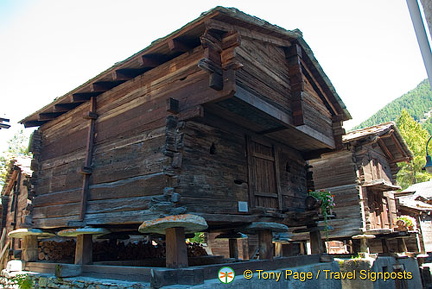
(421, 35)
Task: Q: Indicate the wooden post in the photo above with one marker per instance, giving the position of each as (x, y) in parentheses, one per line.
(278, 249)
(84, 249)
(86, 170)
(364, 246)
(384, 245)
(401, 245)
(30, 248)
(176, 251)
(233, 248)
(316, 242)
(265, 244)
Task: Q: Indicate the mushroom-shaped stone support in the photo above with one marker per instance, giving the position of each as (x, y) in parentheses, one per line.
(21, 233)
(175, 227)
(84, 243)
(83, 231)
(265, 236)
(30, 241)
(190, 223)
(364, 248)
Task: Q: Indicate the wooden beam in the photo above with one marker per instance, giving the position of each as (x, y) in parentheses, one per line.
(398, 145)
(176, 250)
(322, 93)
(176, 45)
(316, 242)
(64, 107)
(49, 115)
(105, 85)
(385, 149)
(173, 105)
(126, 73)
(30, 248)
(3, 125)
(265, 244)
(233, 248)
(84, 96)
(151, 60)
(262, 105)
(84, 250)
(88, 160)
(33, 123)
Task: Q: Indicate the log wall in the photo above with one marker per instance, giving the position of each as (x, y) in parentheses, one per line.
(130, 163)
(214, 173)
(265, 72)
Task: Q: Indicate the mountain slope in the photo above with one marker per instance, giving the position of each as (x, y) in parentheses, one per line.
(417, 102)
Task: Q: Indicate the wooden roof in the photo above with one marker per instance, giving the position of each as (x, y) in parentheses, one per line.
(173, 45)
(387, 136)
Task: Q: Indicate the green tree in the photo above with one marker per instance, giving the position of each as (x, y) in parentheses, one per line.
(17, 146)
(416, 137)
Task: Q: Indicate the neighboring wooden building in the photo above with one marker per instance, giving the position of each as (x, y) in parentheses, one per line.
(416, 201)
(217, 119)
(362, 178)
(16, 204)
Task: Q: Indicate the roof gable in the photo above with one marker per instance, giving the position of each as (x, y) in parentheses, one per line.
(181, 41)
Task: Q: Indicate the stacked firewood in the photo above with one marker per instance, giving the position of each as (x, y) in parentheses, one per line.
(56, 251)
(196, 250)
(112, 250)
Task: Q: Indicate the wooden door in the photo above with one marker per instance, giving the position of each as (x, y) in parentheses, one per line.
(263, 175)
(378, 210)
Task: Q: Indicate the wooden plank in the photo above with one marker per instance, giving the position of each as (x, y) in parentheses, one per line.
(233, 248)
(278, 177)
(262, 105)
(176, 251)
(316, 242)
(88, 159)
(141, 185)
(250, 165)
(30, 248)
(177, 45)
(49, 115)
(84, 250)
(265, 245)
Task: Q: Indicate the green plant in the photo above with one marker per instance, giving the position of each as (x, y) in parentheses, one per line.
(23, 281)
(326, 200)
(198, 238)
(408, 220)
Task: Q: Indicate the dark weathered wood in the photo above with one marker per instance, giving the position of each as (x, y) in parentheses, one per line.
(173, 105)
(233, 248)
(316, 242)
(265, 245)
(176, 252)
(84, 250)
(88, 160)
(178, 45)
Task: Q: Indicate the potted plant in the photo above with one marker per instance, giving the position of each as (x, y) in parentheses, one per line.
(405, 223)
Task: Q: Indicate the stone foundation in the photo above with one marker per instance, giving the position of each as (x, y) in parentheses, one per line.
(50, 281)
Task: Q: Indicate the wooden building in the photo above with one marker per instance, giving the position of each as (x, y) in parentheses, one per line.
(416, 201)
(16, 205)
(215, 120)
(362, 178)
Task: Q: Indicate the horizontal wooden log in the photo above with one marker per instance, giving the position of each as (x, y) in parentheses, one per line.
(145, 185)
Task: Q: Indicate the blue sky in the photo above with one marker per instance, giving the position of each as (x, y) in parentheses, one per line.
(367, 48)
